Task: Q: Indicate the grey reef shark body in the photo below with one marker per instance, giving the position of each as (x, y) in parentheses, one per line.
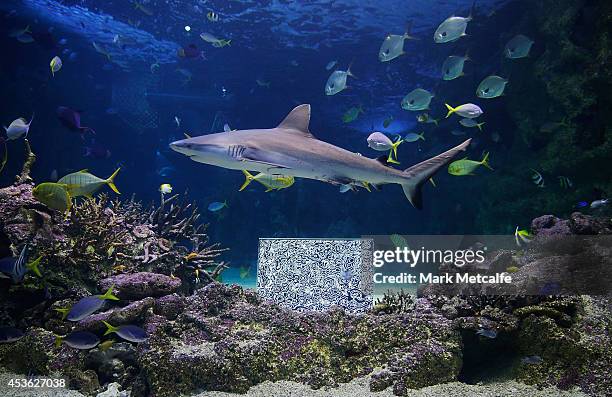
(291, 150)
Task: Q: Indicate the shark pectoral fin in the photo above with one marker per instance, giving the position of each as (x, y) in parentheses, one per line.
(422, 172)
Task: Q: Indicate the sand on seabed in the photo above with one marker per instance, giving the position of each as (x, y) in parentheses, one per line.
(357, 388)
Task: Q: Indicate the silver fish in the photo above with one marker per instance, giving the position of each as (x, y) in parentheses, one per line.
(19, 128)
(453, 28)
(417, 99)
(393, 46)
(337, 81)
(518, 47)
(491, 87)
(453, 67)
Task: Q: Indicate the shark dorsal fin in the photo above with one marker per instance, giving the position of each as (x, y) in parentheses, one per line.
(297, 121)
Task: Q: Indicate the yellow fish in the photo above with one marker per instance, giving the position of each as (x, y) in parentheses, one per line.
(271, 182)
(467, 167)
(191, 256)
(53, 195)
(83, 183)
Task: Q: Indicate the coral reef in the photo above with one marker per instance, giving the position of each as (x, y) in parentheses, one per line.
(205, 335)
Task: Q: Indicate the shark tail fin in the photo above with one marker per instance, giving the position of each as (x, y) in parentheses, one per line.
(248, 179)
(111, 183)
(420, 173)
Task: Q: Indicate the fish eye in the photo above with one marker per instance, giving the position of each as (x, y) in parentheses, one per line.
(443, 34)
(331, 85)
(411, 102)
(447, 71)
(486, 90)
(386, 52)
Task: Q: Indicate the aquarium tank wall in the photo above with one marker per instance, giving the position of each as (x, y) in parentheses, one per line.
(305, 198)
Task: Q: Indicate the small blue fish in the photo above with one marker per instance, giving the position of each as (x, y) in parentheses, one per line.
(130, 333)
(82, 340)
(89, 305)
(10, 334)
(582, 204)
(216, 206)
(532, 360)
(487, 333)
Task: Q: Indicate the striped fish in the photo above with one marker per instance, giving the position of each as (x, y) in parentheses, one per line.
(537, 178)
(14, 267)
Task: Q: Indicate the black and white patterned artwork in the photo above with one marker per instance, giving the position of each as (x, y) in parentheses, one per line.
(316, 274)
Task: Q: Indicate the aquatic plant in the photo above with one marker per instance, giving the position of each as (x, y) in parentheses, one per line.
(394, 302)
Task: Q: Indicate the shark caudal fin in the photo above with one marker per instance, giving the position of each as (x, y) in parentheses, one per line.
(422, 172)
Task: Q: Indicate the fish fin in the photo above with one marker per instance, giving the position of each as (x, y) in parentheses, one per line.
(110, 181)
(395, 145)
(33, 266)
(433, 182)
(297, 121)
(259, 156)
(435, 122)
(479, 125)
(451, 110)
(83, 171)
(109, 328)
(64, 311)
(269, 189)
(249, 179)
(421, 136)
(58, 340)
(485, 161)
(108, 295)
(422, 172)
(348, 71)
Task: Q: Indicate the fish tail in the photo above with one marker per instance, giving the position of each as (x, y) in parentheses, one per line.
(407, 34)
(109, 328)
(225, 204)
(435, 122)
(472, 11)
(479, 125)
(64, 311)
(451, 110)
(348, 71)
(418, 174)
(110, 181)
(108, 295)
(421, 135)
(248, 179)
(485, 161)
(33, 266)
(58, 340)
(395, 145)
(27, 29)
(390, 157)
(433, 183)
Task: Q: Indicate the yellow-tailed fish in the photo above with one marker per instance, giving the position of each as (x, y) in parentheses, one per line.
(522, 236)
(83, 183)
(165, 188)
(271, 182)
(467, 167)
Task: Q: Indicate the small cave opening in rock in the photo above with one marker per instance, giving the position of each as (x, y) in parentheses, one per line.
(487, 359)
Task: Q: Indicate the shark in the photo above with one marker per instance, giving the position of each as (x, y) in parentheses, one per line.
(290, 149)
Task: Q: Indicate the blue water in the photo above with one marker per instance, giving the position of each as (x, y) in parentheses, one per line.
(132, 100)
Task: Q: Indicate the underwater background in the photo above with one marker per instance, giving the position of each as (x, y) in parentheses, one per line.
(549, 119)
(130, 291)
